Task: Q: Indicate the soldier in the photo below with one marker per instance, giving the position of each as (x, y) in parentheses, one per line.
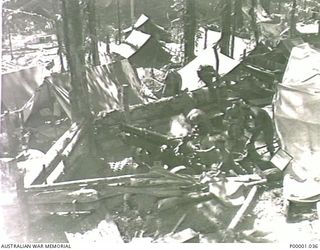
(210, 146)
(259, 123)
(199, 122)
(173, 83)
(206, 73)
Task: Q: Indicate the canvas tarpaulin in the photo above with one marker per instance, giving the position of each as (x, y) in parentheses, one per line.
(105, 87)
(242, 46)
(20, 90)
(104, 93)
(145, 24)
(142, 50)
(59, 84)
(189, 76)
(139, 89)
(297, 119)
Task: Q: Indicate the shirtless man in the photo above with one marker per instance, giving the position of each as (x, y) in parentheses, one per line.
(261, 125)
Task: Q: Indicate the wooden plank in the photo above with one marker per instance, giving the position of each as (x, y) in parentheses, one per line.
(53, 157)
(169, 106)
(243, 209)
(58, 169)
(64, 196)
(92, 182)
(91, 195)
(154, 191)
(180, 237)
(44, 209)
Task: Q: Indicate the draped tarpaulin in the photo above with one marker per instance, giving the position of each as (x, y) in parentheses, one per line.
(104, 90)
(21, 89)
(22, 92)
(297, 119)
(142, 50)
(105, 86)
(189, 76)
(138, 88)
(146, 25)
(60, 85)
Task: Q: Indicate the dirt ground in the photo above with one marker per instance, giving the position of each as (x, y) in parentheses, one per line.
(265, 221)
(302, 224)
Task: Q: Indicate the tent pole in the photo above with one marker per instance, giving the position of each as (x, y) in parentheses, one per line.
(21, 121)
(108, 43)
(205, 38)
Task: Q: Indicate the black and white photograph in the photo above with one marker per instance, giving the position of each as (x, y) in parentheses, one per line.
(160, 121)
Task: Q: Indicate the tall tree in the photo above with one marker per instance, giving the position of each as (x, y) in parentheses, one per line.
(132, 12)
(57, 24)
(177, 27)
(293, 18)
(238, 15)
(189, 20)
(226, 23)
(76, 59)
(279, 6)
(118, 11)
(92, 28)
(254, 25)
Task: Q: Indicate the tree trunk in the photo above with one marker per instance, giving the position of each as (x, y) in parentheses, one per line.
(60, 45)
(205, 38)
(254, 26)
(233, 38)
(108, 43)
(59, 33)
(238, 14)
(279, 6)
(226, 22)
(119, 21)
(76, 60)
(293, 19)
(92, 23)
(237, 22)
(132, 15)
(189, 30)
(216, 54)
